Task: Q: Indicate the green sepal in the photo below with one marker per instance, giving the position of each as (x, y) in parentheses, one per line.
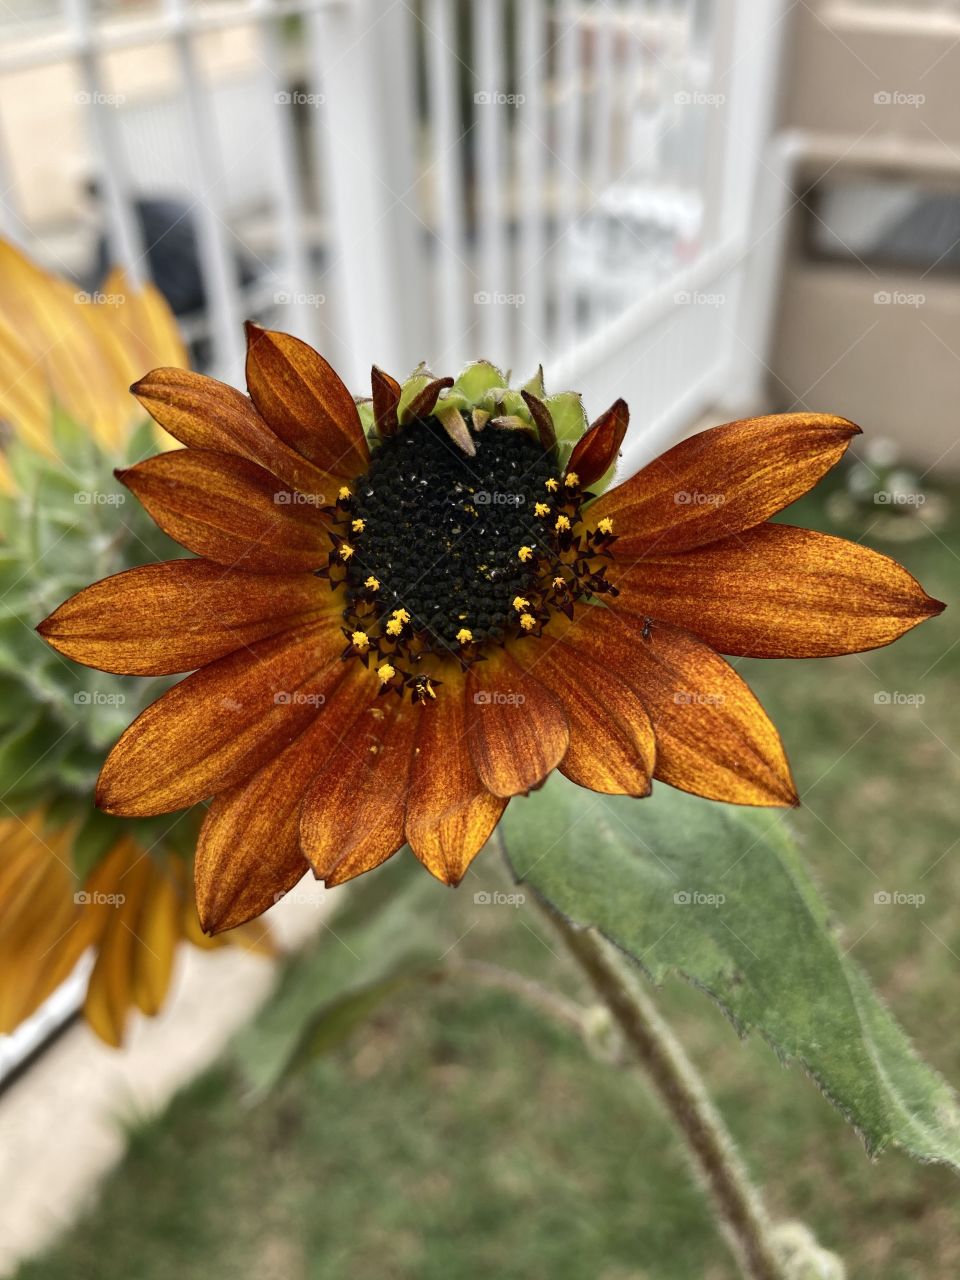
(365, 413)
(475, 381)
(568, 414)
(535, 385)
(420, 378)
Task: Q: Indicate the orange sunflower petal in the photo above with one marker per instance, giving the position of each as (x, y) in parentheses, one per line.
(713, 736)
(450, 813)
(353, 813)
(612, 746)
(203, 413)
(778, 592)
(596, 450)
(248, 853)
(722, 481)
(229, 510)
(386, 398)
(178, 615)
(517, 729)
(305, 401)
(222, 723)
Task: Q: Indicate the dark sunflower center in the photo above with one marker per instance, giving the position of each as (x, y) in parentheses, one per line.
(441, 531)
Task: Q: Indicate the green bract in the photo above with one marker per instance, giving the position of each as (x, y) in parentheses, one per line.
(483, 388)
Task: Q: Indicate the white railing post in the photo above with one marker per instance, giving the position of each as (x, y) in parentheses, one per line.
(299, 315)
(345, 54)
(124, 237)
(454, 278)
(204, 175)
(531, 171)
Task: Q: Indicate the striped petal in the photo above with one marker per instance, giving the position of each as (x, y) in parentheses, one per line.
(450, 813)
(778, 592)
(229, 510)
(612, 745)
(305, 402)
(203, 413)
(597, 449)
(713, 737)
(248, 853)
(222, 723)
(722, 481)
(353, 813)
(178, 615)
(517, 730)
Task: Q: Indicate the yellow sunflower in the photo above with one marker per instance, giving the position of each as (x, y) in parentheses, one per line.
(389, 643)
(130, 912)
(69, 885)
(60, 345)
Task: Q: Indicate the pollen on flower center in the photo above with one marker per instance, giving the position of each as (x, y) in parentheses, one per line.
(442, 554)
(441, 531)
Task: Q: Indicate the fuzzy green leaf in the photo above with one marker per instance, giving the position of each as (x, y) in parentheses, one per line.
(719, 895)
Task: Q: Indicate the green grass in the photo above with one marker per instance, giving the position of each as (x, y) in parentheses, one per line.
(460, 1134)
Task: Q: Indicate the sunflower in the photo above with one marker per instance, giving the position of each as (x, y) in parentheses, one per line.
(73, 881)
(129, 913)
(64, 346)
(391, 636)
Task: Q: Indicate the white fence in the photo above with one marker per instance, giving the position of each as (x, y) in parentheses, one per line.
(529, 180)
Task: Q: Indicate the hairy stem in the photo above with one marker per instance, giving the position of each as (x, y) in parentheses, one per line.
(739, 1209)
(533, 993)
